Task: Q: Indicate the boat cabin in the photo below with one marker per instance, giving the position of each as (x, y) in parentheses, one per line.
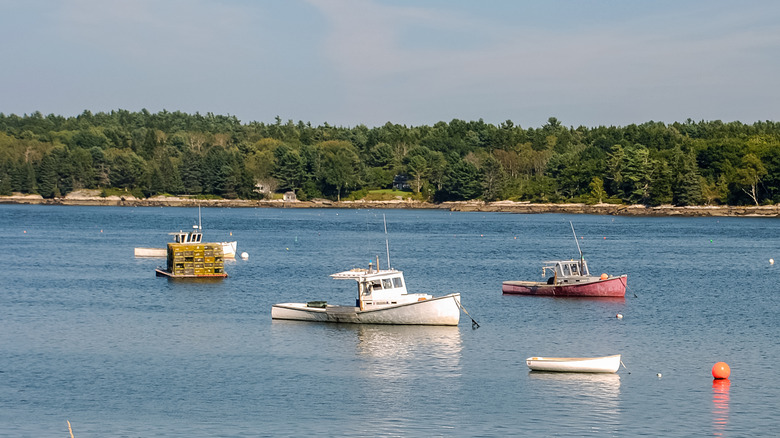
(566, 271)
(194, 236)
(379, 288)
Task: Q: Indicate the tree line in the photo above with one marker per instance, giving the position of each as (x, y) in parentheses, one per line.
(147, 154)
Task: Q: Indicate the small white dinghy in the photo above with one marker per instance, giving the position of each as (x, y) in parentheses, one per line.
(606, 364)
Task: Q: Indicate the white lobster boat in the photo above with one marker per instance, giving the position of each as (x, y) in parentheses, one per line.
(605, 364)
(194, 236)
(228, 248)
(382, 299)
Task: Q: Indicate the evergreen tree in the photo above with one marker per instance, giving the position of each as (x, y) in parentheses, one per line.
(288, 168)
(127, 170)
(461, 183)
(5, 183)
(214, 171)
(661, 190)
(23, 177)
(638, 175)
(191, 172)
(688, 189)
(47, 176)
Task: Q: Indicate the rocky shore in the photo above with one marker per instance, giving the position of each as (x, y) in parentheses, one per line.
(92, 197)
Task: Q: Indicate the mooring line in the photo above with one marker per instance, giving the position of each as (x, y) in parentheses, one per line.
(474, 324)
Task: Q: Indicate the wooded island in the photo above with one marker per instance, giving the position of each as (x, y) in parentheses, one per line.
(211, 156)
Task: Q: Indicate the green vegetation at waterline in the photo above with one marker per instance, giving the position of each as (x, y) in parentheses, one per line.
(687, 163)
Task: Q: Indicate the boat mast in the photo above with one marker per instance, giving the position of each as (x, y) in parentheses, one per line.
(387, 244)
(200, 228)
(578, 246)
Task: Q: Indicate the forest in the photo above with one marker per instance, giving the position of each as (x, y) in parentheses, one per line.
(175, 153)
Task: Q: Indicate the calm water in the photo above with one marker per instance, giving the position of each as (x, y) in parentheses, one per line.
(89, 334)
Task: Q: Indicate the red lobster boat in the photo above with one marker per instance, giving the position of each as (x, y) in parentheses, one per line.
(570, 278)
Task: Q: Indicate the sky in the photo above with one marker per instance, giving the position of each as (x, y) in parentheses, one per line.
(369, 62)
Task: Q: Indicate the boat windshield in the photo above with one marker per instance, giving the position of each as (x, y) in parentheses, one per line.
(386, 283)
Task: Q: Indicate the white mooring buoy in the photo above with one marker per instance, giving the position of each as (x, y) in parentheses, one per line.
(244, 255)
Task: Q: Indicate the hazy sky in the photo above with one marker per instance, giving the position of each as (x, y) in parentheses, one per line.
(350, 62)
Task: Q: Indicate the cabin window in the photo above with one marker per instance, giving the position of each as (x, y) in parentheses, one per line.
(566, 271)
(376, 284)
(386, 283)
(397, 282)
(574, 270)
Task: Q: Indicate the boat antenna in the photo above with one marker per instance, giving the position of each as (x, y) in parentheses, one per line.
(200, 227)
(387, 243)
(578, 244)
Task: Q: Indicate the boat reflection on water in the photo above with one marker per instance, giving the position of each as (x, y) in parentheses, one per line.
(720, 406)
(597, 384)
(598, 394)
(396, 351)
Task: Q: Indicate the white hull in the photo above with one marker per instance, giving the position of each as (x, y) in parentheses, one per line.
(434, 311)
(606, 364)
(151, 252)
(228, 251)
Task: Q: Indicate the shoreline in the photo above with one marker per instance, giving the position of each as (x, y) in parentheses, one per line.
(80, 199)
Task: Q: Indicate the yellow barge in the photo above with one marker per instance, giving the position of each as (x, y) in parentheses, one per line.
(194, 260)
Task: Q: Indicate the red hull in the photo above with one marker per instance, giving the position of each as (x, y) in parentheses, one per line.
(611, 287)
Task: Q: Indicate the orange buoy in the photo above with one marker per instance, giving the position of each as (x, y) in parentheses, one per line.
(721, 370)
(604, 276)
